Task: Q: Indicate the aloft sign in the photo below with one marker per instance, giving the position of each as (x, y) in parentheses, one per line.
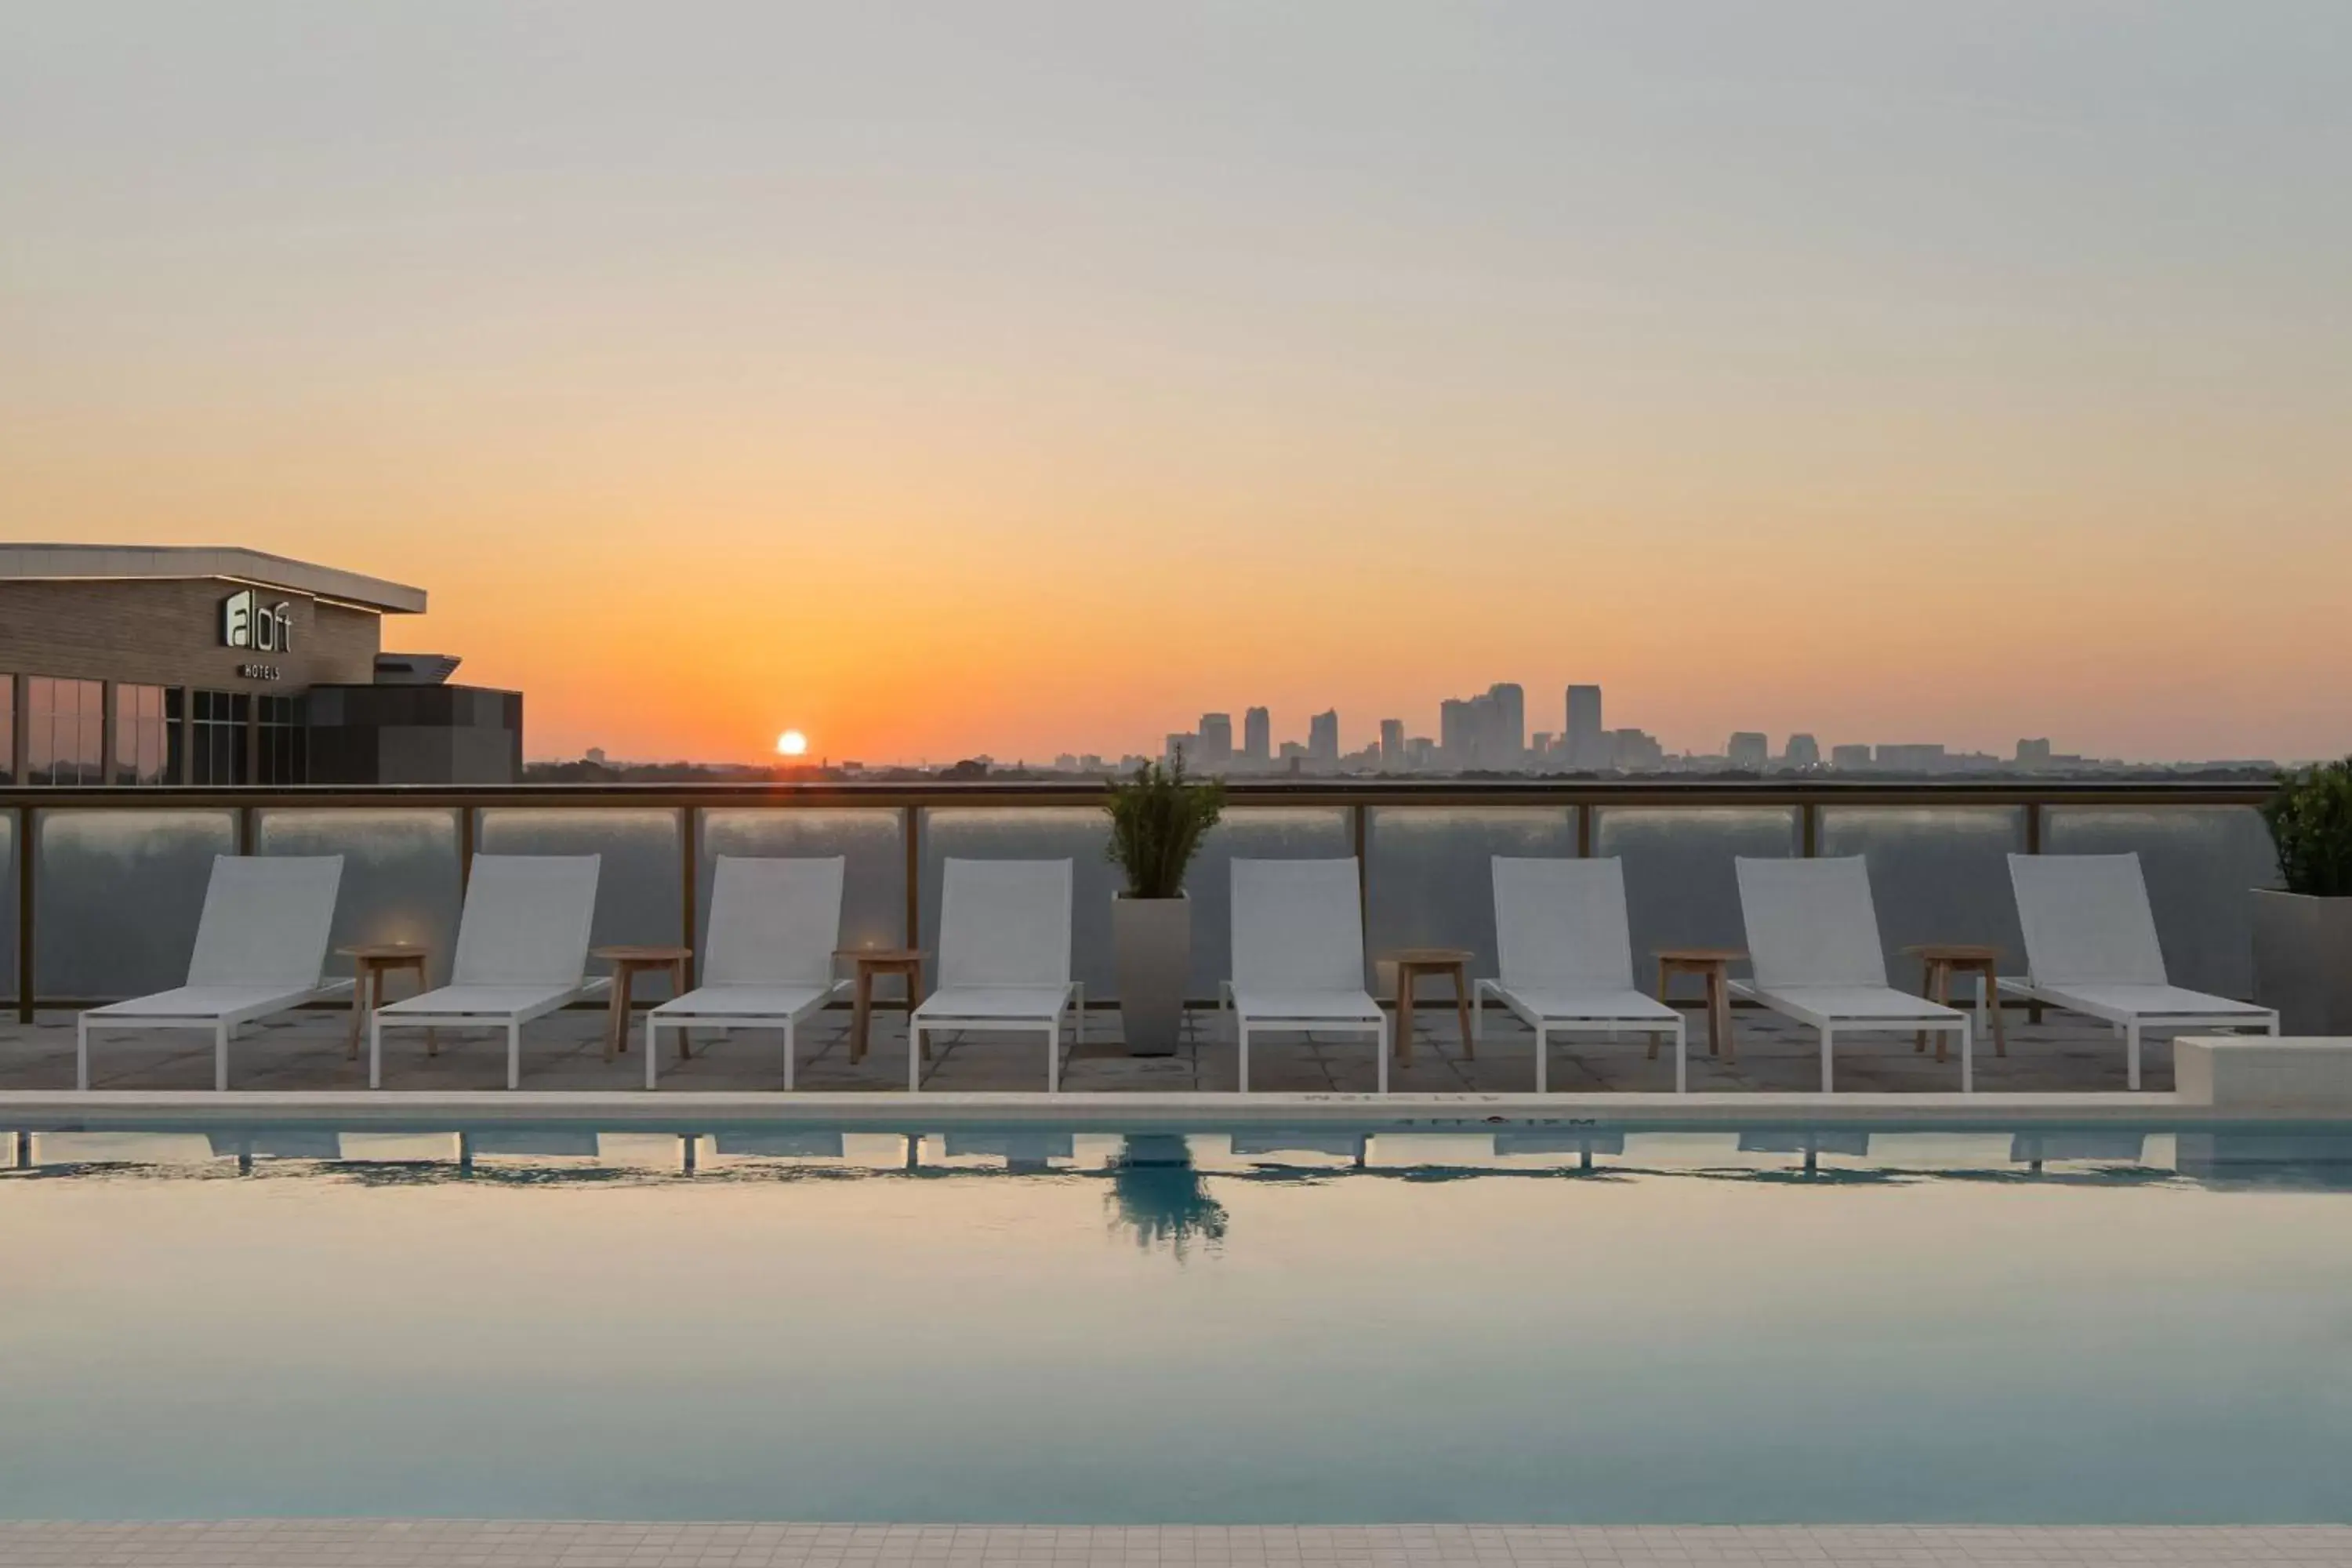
(247, 621)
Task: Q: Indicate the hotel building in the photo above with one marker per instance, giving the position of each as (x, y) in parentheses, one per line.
(164, 665)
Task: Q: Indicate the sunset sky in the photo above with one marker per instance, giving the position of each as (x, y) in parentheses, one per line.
(1022, 378)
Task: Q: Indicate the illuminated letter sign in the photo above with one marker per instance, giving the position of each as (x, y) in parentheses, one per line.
(246, 622)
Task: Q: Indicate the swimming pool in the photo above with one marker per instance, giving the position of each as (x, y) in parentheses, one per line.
(1039, 1326)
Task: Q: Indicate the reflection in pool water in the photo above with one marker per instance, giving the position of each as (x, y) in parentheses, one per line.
(1158, 1194)
(1584, 1324)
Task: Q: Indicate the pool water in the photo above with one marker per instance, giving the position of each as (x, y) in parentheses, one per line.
(1044, 1327)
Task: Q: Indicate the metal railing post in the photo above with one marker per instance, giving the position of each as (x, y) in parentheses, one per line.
(2032, 847)
(1356, 837)
(911, 828)
(690, 858)
(24, 914)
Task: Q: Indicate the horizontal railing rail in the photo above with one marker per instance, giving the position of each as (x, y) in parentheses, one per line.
(1376, 819)
(1546, 791)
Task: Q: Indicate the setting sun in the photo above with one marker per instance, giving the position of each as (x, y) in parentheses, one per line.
(791, 743)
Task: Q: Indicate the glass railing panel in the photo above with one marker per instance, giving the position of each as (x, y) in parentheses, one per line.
(117, 895)
(1430, 874)
(640, 885)
(1680, 888)
(2201, 862)
(873, 887)
(1936, 874)
(1072, 832)
(400, 882)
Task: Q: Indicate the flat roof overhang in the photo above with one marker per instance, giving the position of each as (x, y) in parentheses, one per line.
(179, 562)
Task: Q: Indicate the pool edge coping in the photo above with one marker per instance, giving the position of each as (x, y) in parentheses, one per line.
(1122, 1111)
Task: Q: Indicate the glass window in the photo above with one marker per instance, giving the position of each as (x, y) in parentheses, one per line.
(279, 752)
(64, 730)
(8, 729)
(143, 753)
(217, 737)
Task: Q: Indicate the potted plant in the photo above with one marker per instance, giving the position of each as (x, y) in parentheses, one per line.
(1157, 819)
(2303, 933)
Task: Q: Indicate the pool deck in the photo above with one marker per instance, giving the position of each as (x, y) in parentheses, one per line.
(2058, 1071)
(432, 1544)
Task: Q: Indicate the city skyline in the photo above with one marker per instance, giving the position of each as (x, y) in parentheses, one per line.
(1488, 732)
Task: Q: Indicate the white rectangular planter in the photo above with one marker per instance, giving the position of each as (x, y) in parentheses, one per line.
(1151, 949)
(2247, 1073)
(2302, 961)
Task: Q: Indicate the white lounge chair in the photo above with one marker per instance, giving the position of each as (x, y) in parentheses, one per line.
(1814, 943)
(522, 953)
(767, 962)
(261, 950)
(2091, 948)
(1566, 954)
(1298, 955)
(1004, 958)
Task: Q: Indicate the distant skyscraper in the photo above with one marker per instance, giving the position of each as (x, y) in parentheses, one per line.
(2030, 754)
(1916, 758)
(1850, 759)
(1183, 748)
(1216, 740)
(1454, 733)
(1391, 742)
(1584, 737)
(1323, 739)
(1804, 751)
(1257, 736)
(1510, 739)
(1749, 750)
(1486, 731)
(1635, 751)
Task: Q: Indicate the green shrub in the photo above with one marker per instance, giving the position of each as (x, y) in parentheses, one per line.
(2310, 818)
(1157, 821)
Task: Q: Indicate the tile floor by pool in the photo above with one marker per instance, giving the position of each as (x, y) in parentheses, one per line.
(566, 1052)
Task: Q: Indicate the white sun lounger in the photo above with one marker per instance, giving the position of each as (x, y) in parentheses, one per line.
(2091, 948)
(522, 953)
(261, 950)
(1298, 955)
(1566, 954)
(1004, 958)
(1814, 943)
(767, 960)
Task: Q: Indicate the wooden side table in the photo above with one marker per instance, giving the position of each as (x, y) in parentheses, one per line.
(1713, 966)
(1411, 965)
(628, 963)
(906, 963)
(371, 961)
(1939, 961)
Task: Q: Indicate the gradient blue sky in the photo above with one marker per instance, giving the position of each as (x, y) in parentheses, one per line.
(1026, 377)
